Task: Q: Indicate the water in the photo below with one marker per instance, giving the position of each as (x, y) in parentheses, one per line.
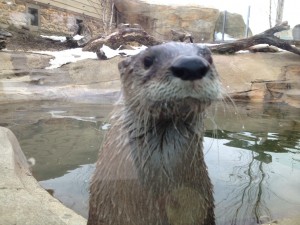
(252, 153)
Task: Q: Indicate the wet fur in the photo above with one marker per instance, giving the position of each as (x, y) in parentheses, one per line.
(152, 161)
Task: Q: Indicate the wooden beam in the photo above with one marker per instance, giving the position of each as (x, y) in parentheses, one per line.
(82, 7)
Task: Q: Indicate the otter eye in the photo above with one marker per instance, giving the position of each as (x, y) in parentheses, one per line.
(148, 61)
(209, 59)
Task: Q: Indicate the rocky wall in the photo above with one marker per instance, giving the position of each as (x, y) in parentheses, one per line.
(52, 19)
(159, 20)
(12, 13)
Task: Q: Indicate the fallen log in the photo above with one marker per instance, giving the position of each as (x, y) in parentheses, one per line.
(266, 37)
(126, 35)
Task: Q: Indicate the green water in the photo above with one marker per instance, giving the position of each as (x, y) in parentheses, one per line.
(252, 153)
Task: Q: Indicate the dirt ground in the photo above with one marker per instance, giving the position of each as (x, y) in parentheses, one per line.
(25, 40)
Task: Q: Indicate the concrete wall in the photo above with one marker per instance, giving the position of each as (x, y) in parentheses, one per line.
(57, 16)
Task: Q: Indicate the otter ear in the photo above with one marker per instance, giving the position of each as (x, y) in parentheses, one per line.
(123, 65)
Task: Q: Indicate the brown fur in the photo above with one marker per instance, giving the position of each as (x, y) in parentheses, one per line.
(151, 168)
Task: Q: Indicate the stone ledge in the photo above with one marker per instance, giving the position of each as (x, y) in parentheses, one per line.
(22, 199)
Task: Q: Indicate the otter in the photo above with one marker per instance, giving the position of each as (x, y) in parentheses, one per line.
(151, 167)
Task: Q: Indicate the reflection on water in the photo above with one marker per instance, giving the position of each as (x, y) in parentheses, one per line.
(61, 137)
(253, 156)
(72, 188)
(252, 185)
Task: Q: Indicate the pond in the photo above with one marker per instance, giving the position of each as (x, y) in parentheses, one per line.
(252, 152)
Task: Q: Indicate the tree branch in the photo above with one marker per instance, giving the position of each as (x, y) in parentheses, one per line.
(266, 37)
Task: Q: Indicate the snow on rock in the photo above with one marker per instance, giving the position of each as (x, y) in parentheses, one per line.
(67, 56)
(227, 37)
(110, 53)
(58, 114)
(62, 38)
(105, 126)
(55, 38)
(76, 54)
(78, 37)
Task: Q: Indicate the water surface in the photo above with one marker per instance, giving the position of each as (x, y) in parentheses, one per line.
(252, 153)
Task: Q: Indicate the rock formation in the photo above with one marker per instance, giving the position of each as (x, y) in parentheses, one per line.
(234, 26)
(159, 20)
(22, 199)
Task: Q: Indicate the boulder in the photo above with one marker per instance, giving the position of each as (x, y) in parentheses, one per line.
(159, 20)
(22, 199)
(261, 77)
(235, 25)
(85, 31)
(181, 35)
(23, 77)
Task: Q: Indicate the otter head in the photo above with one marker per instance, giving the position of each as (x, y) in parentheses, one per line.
(172, 78)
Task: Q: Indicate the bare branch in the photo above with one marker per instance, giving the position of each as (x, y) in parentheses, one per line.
(266, 37)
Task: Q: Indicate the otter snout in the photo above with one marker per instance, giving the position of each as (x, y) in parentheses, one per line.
(190, 67)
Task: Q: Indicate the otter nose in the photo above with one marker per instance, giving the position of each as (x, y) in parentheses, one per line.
(190, 67)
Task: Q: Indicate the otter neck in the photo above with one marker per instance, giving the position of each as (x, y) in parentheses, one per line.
(164, 147)
(146, 123)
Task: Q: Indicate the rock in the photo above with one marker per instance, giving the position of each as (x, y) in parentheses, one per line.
(85, 31)
(181, 35)
(2, 43)
(23, 77)
(3, 35)
(17, 64)
(159, 20)
(71, 43)
(235, 25)
(296, 32)
(101, 54)
(22, 199)
(259, 77)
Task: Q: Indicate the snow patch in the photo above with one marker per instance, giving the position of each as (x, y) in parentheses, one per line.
(78, 37)
(105, 126)
(76, 54)
(55, 38)
(67, 56)
(227, 37)
(110, 53)
(57, 114)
